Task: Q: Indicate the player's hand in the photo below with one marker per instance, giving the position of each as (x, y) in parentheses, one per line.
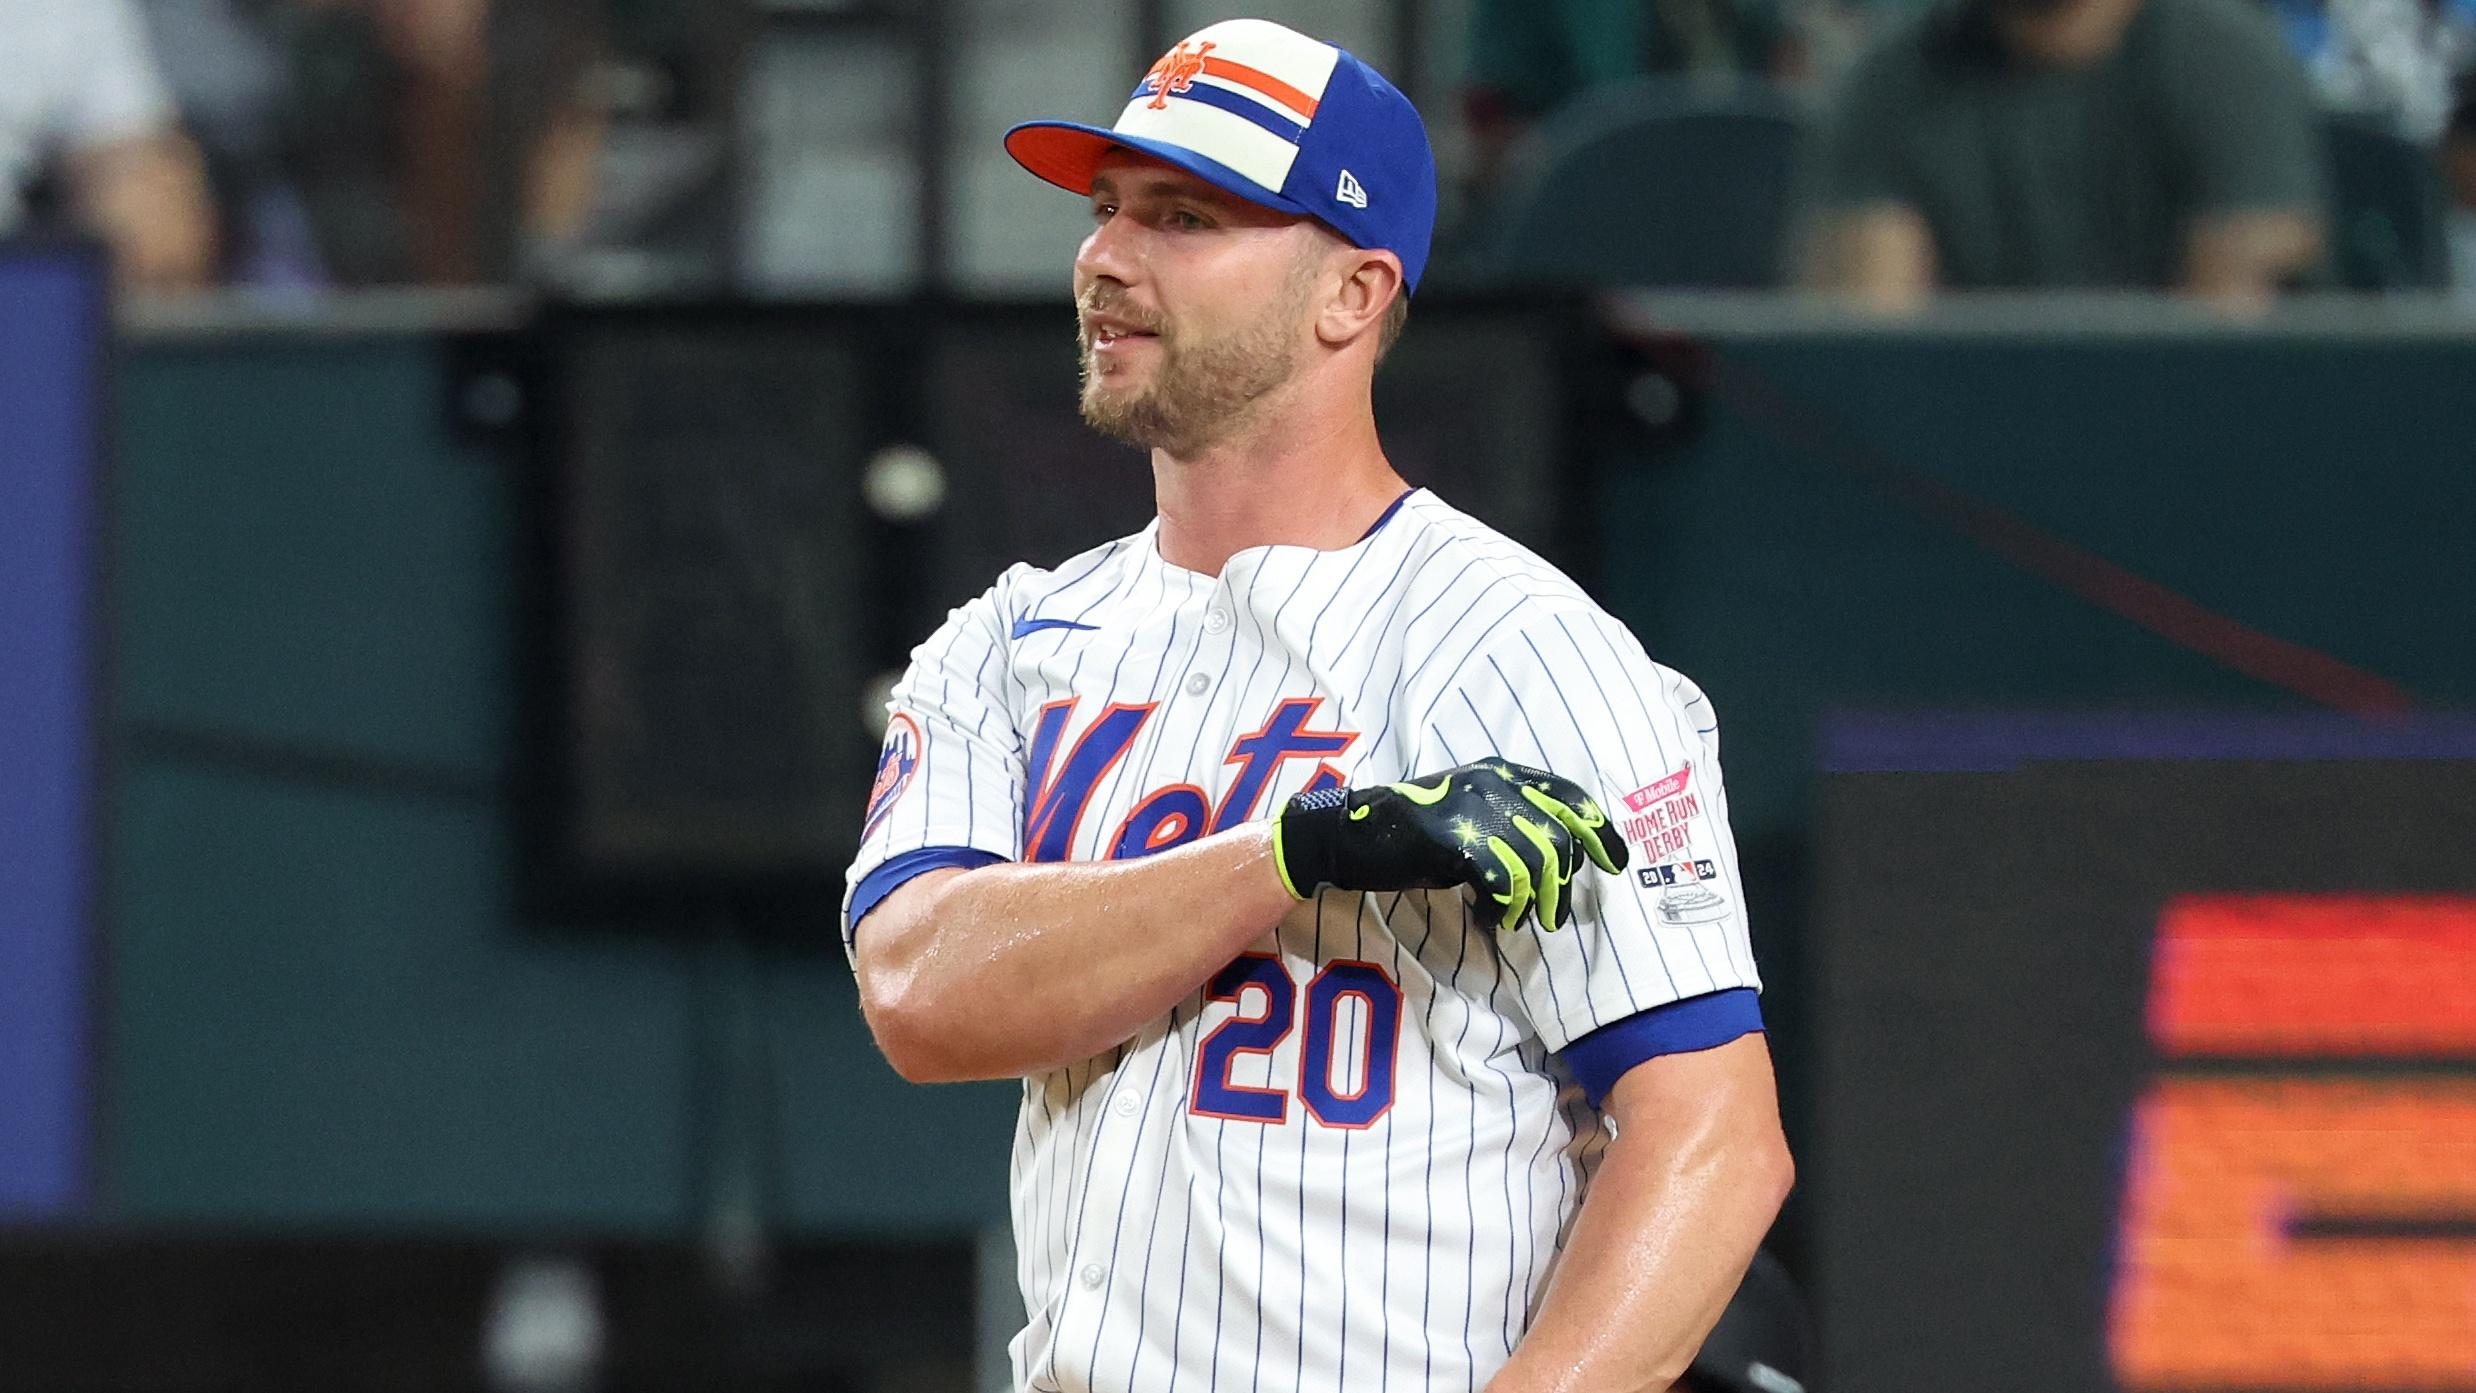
(1514, 835)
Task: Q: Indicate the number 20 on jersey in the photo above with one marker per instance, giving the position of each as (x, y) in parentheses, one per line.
(1351, 1015)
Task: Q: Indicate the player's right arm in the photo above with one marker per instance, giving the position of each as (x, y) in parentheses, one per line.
(1007, 970)
(974, 964)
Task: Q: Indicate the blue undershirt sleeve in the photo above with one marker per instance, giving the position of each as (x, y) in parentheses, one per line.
(1706, 1022)
(891, 876)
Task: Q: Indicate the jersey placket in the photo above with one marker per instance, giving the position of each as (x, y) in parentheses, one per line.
(1143, 1087)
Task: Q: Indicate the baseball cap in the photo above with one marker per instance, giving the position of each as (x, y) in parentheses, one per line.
(1277, 118)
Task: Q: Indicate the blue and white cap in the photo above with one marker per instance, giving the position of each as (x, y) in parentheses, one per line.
(1276, 118)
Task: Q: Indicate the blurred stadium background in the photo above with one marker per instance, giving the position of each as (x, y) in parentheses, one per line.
(468, 469)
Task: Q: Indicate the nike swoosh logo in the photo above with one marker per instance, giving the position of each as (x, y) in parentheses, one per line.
(1027, 626)
(1425, 796)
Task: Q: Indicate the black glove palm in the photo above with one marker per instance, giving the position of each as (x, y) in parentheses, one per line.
(1515, 835)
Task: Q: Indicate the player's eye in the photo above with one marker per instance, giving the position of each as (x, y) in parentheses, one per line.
(1187, 220)
(1102, 211)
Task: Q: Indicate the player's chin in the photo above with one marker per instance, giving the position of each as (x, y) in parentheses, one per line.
(1131, 416)
(1114, 391)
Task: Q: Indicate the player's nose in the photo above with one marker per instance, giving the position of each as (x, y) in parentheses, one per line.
(1109, 251)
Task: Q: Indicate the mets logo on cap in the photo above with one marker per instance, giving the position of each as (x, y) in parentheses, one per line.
(896, 763)
(1175, 74)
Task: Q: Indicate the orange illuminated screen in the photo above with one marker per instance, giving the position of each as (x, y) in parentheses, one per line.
(2215, 1288)
(2305, 1232)
(2323, 976)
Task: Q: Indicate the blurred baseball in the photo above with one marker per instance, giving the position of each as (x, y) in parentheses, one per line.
(904, 483)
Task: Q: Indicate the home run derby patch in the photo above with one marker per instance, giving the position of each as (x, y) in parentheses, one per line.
(900, 759)
(1658, 817)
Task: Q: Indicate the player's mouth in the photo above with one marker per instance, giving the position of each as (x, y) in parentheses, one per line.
(1113, 336)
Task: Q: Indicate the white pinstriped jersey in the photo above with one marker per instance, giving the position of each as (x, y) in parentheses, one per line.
(1351, 1159)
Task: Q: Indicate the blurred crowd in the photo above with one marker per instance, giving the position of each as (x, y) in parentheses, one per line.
(2228, 148)
(299, 143)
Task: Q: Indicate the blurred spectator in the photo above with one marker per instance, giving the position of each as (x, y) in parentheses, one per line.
(2071, 143)
(227, 77)
(2458, 158)
(1528, 58)
(2393, 60)
(441, 140)
(83, 106)
(380, 142)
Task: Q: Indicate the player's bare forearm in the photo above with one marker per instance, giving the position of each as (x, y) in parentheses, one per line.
(1682, 1199)
(1008, 970)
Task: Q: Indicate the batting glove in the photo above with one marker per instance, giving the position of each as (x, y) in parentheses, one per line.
(1514, 835)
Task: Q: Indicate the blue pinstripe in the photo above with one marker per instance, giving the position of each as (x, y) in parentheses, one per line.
(1072, 1218)
(1544, 760)
(1150, 1094)
(1304, 1136)
(1513, 1115)
(1666, 762)
(1547, 960)
(1650, 930)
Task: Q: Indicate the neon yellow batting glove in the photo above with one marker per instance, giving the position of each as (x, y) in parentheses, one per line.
(1514, 835)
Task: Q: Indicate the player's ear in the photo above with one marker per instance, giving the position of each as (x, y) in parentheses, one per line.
(1368, 284)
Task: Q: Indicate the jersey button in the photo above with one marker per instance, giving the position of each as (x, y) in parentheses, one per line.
(1198, 684)
(1092, 1274)
(1127, 1104)
(1216, 621)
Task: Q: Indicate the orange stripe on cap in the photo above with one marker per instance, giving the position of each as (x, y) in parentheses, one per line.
(1263, 82)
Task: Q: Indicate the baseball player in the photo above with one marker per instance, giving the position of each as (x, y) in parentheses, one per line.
(1353, 897)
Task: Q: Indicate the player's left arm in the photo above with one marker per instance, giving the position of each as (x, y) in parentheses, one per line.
(1648, 998)
(1684, 1195)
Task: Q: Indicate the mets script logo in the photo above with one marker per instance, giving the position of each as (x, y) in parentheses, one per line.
(1175, 73)
(1065, 777)
(895, 766)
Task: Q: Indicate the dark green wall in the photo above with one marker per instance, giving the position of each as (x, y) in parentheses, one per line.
(2321, 491)
(322, 1007)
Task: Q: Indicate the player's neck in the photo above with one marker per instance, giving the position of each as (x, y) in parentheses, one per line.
(1305, 479)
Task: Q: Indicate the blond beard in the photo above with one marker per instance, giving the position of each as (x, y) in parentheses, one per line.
(1201, 391)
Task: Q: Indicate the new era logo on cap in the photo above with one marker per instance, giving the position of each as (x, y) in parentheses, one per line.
(1276, 118)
